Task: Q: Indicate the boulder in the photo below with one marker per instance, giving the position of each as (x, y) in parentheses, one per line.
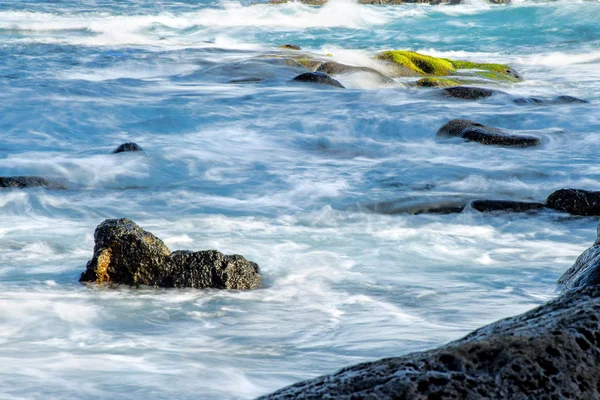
(126, 147)
(468, 92)
(124, 253)
(23, 182)
(318, 78)
(290, 47)
(575, 201)
(585, 271)
(335, 68)
(550, 352)
(476, 132)
(556, 100)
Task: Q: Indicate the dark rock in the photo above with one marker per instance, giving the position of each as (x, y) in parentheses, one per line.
(505, 206)
(23, 182)
(550, 352)
(416, 206)
(319, 78)
(468, 92)
(487, 135)
(575, 201)
(290, 47)
(586, 270)
(556, 100)
(125, 147)
(125, 253)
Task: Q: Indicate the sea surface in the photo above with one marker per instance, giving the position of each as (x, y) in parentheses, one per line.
(240, 159)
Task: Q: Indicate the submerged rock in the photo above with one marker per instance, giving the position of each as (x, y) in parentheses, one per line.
(318, 78)
(556, 100)
(487, 135)
(550, 352)
(126, 147)
(468, 92)
(505, 206)
(124, 253)
(575, 201)
(585, 271)
(335, 68)
(23, 182)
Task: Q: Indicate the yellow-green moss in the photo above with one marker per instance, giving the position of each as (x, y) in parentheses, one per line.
(437, 82)
(419, 63)
(422, 64)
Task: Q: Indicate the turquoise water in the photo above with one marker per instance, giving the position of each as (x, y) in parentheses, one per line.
(282, 173)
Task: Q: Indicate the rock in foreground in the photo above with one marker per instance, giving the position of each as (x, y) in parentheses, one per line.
(585, 271)
(551, 352)
(124, 253)
(476, 132)
(575, 201)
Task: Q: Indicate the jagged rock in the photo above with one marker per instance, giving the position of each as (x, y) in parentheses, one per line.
(505, 206)
(487, 135)
(550, 352)
(556, 100)
(318, 78)
(124, 253)
(468, 92)
(126, 147)
(575, 201)
(23, 182)
(586, 270)
(290, 47)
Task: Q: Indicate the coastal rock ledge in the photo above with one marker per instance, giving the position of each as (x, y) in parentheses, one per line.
(550, 352)
(124, 253)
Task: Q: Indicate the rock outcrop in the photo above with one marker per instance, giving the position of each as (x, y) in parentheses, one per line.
(585, 271)
(290, 47)
(575, 201)
(550, 352)
(127, 147)
(124, 253)
(476, 132)
(505, 206)
(318, 78)
(468, 92)
(556, 100)
(24, 182)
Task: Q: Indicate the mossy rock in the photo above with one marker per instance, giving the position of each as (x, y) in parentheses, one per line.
(411, 63)
(437, 82)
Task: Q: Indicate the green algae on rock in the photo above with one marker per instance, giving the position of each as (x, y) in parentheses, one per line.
(437, 82)
(411, 63)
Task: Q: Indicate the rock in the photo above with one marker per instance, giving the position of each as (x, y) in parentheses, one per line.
(550, 352)
(290, 47)
(586, 270)
(335, 68)
(410, 63)
(437, 82)
(124, 253)
(505, 206)
(125, 147)
(23, 182)
(575, 201)
(468, 92)
(556, 100)
(487, 135)
(319, 78)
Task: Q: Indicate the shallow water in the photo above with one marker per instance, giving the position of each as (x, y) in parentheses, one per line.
(282, 173)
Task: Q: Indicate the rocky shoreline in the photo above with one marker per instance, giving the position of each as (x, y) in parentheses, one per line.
(550, 352)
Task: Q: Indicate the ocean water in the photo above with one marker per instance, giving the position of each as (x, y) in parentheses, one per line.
(240, 159)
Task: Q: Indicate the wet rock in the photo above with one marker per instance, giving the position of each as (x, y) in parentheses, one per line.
(550, 352)
(575, 201)
(487, 135)
(335, 68)
(290, 47)
(468, 92)
(318, 78)
(124, 253)
(126, 147)
(556, 100)
(505, 206)
(437, 82)
(586, 270)
(23, 182)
